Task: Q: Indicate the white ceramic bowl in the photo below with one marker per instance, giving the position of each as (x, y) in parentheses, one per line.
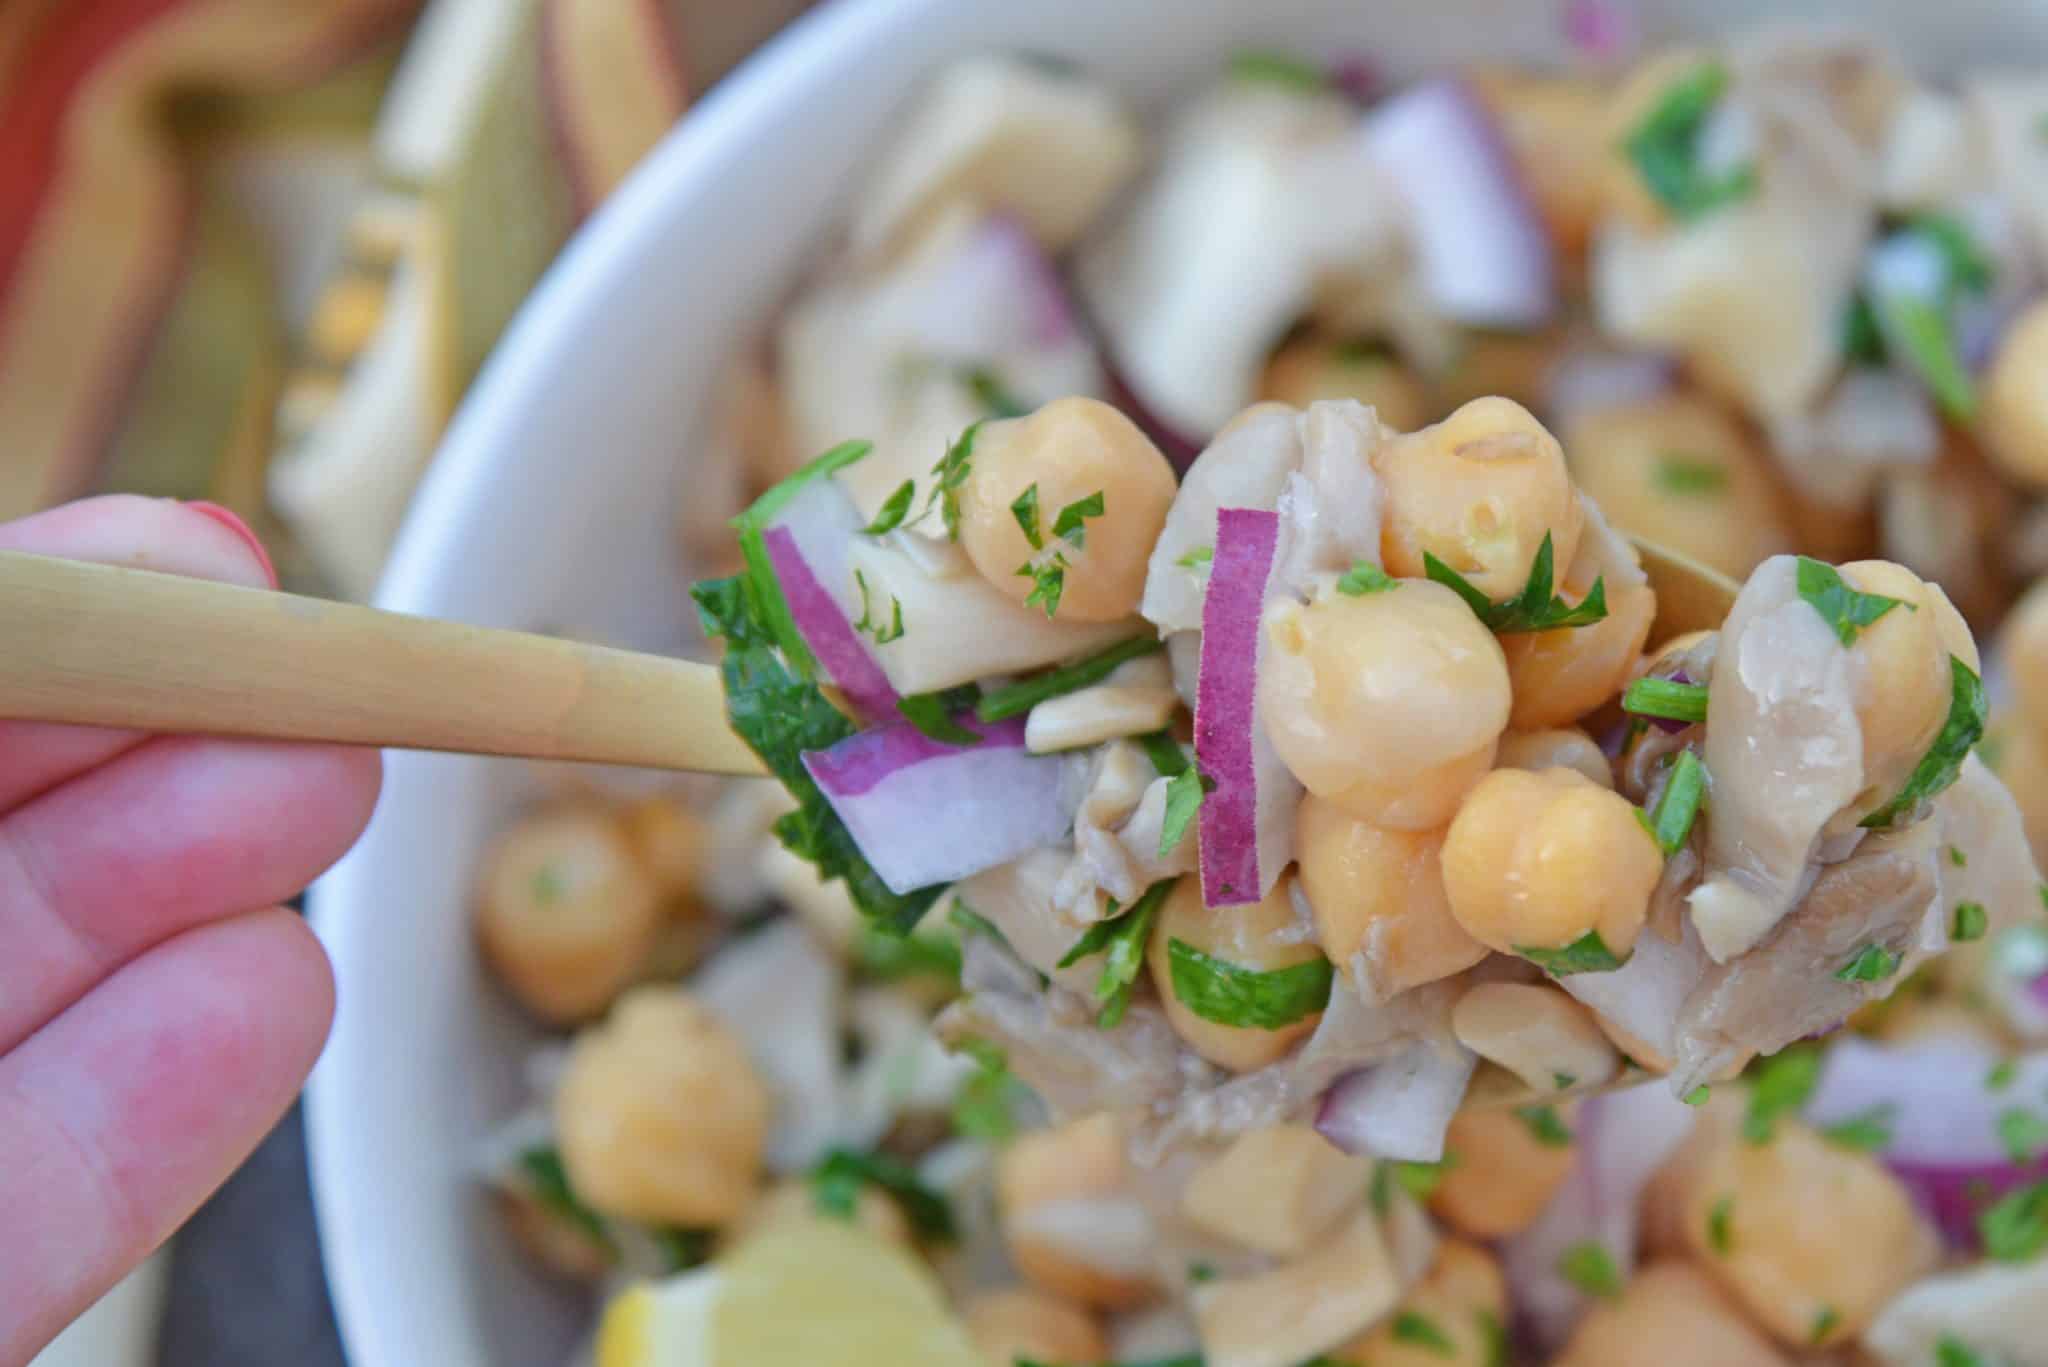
(552, 503)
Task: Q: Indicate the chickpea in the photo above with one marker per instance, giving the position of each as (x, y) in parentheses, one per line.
(795, 1202)
(1079, 1164)
(1557, 748)
(2024, 646)
(1674, 1306)
(1388, 704)
(1463, 1298)
(672, 844)
(1275, 1190)
(1479, 491)
(1502, 1175)
(1068, 450)
(2015, 753)
(2016, 400)
(1555, 128)
(1379, 894)
(1812, 1239)
(565, 913)
(1679, 472)
(660, 1116)
(1536, 861)
(1903, 698)
(1559, 676)
(1313, 368)
(1536, 1032)
(1025, 1325)
(1255, 935)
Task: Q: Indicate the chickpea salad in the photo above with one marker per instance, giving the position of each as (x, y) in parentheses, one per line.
(1254, 875)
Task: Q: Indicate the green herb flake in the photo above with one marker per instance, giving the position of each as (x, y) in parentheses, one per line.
(1590, 1267)
(1364, 578)
(1494, 1335)
(952, 471)
(1868, 1131)
(1846, 611)
(683, 1249)
(1679, 474)
(547, 884)
(1196, 558)
(1025, 509)
(932, 713)
(1665, 147)
(894, 509)
(2015, 1228)
(1665, 698)
(1950, 1351)
(1698, 1095)
(992, 394)
(882, 634)
(1120, 939)
(1564, 1082)
(1824, 1324)
(1872, 964)
(1968, 268)
(1165, 753)
(1199, 1273)
(1048, 582)
(1545, 1126)
(1018, 698)
(1418, 1180)
(764, 594)
(1670, 823)
(985, 1107)
(1587, 954)
(1071, 525)
(1719, 1237)
(1782, 1085)
(2024, 1134)
(1536, 608)
(1957, 857)
(837, 1179)
(1412, 1326)
(2001, 1075)
(1862, 339)
(1248, 998)
(549, 1181)
(1920, 329)
(781, 715)
(1264, 67)
(905, 956)
(1184, 794)
(1971, 921)
(1943, 762)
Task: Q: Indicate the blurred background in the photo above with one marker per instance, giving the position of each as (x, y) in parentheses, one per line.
(254, 251)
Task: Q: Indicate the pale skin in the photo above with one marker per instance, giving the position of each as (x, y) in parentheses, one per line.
(158, 1008)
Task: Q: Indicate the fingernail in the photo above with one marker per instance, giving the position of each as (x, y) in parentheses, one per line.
(228, 519)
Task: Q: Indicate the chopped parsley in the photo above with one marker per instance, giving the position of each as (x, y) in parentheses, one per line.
(1248, 998)
(837, 1179)
(1495, 1336)
(1666, 698)
(547, 884)
(549, 1182)
(952, 471)
(1824, 1324)
(986, 1106)
(1025, 509)
(1846, 611)
(2015, 1229)
(934, 713)
(1590, 1267)
(1665, 147)
(1018, 698)
(1536, 608)
(1939, 767)
(1165, 753)
(992, 394)
(1670, 823)
(1587, 954)
(781, 714)
(1698, 1095)
(1070, 526)
(1545, 1126)
(1418, 1180)
(1263, 67)
(1184, 794)
(1971, 921)
(1411, 1326)
(906, 956)
(882, 634)
(1920, 329)
(1047, 570)
(1783, 1083)
(1564, 1082)
(683, 1249)
(1872, 964)
(1968, 268)
(1950, 1351)
(769, 607)
(1957, 857)
(2001, 1075)
(1199, 1272)
(1720, 1237)
(1196, 558)
(1120, 938)
(893, 509)
(1862, 340)
(2024, 1134)
(1677, 474)
(1868, 1131)
(1365, 577)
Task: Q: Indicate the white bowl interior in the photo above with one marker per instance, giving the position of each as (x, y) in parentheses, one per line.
(552, 504)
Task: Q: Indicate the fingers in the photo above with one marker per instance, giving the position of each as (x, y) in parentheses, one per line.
(174, 833)
(199, 540)
(129, 1109)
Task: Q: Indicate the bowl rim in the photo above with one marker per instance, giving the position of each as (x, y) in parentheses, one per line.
(685, 164)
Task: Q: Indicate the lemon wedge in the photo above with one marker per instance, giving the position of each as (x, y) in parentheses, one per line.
(818, 1292)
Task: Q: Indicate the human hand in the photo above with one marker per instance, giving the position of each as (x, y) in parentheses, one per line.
(158, 1010)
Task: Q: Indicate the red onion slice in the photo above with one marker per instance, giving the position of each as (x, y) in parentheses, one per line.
(1246, 821)
(1399, 1109)
(807, 545)
(1945, 1118)
(925, 812)
(1484, 254)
